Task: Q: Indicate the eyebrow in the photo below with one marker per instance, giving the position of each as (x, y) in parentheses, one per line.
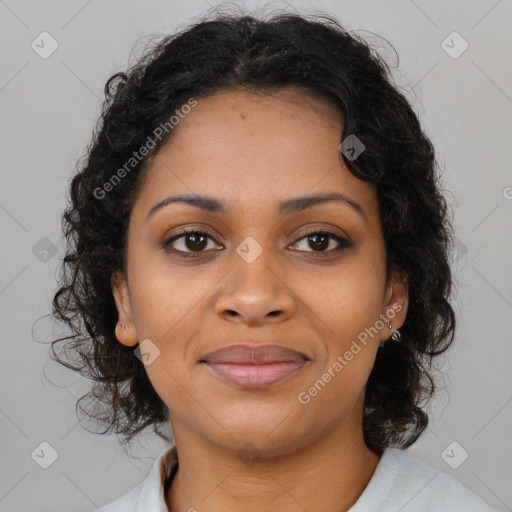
(286, 207)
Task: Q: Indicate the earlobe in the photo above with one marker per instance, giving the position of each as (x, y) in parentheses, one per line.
(126, 336)
(125, 327)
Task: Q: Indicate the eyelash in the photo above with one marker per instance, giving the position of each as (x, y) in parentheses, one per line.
(343, 243)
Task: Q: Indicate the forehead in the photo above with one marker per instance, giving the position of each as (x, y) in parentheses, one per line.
(253, 149)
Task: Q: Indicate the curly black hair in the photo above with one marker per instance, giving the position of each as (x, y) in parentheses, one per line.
(259, 54)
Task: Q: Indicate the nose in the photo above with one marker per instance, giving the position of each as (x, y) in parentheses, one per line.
(255, 293)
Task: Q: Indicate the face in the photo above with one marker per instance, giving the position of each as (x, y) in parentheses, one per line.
(257, 267)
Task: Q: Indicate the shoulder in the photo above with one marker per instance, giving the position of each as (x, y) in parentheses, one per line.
(419, 487)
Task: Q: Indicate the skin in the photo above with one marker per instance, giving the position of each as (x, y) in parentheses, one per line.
(243, 449)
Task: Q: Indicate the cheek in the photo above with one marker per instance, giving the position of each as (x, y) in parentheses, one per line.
(348, 310)
(348, 300)
(166, 306)
(346, 314)
(164, 299)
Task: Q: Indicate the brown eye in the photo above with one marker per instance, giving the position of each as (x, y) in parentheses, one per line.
(188, 241)
(319, 241)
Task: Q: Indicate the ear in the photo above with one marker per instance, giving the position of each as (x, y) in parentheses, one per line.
(120, 290)
(396, 300)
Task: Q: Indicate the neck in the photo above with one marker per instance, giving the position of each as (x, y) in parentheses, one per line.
(214, 479)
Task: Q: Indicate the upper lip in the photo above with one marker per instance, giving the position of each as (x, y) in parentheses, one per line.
(254, 354)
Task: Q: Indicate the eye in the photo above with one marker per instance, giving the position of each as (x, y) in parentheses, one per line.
(321, 240)
(190, 241)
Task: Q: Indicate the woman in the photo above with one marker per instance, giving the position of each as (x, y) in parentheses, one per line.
(258, 253)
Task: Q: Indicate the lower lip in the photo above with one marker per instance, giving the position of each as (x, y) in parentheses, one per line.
(256, 375)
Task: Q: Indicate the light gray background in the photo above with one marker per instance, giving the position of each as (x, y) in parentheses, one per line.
(47, 110)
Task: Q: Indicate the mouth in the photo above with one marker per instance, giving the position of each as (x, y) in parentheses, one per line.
(255, 366)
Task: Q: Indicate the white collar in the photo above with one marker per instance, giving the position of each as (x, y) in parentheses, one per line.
(399, 479)
(151, 495)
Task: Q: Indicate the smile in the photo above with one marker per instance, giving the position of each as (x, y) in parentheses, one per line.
(255, 366)
(256, 375)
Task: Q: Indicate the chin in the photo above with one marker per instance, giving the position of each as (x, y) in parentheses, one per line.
(257, 434)
(258, 445)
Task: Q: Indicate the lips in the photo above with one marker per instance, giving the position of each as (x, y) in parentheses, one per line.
(255, 366)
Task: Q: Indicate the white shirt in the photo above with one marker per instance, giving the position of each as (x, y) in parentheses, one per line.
(400, 483)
